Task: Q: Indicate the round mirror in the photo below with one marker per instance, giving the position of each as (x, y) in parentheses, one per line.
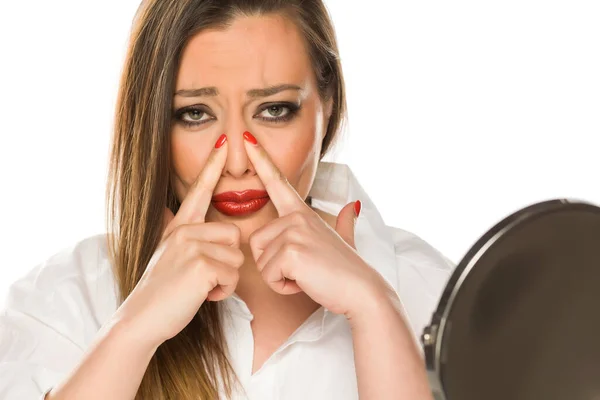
(519, 318)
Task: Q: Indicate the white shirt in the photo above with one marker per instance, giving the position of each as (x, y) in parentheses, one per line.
(53, 313)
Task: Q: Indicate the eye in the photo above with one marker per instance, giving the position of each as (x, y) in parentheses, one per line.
(278, 112)
(193, 116)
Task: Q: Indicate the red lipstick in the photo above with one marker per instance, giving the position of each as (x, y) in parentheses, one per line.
(240, 203)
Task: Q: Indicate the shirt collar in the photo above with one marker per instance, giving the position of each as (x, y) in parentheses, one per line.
(334, 186)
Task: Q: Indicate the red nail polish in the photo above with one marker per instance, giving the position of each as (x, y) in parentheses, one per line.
(357, 206)
(250, 137)
(222, 139)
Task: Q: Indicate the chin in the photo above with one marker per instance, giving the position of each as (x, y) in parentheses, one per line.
(249, 226)
(247, 223)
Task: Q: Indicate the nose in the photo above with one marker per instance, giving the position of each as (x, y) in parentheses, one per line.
(237, 164)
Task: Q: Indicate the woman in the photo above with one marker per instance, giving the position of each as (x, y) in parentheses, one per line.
(239, 265)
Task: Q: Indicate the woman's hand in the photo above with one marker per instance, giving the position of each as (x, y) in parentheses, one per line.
(195, 261)
(300, 252)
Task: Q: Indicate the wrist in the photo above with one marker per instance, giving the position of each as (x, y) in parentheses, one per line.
(127, 335)
(378, 301)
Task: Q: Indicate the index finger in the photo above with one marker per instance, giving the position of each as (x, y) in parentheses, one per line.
(283, 195)
(197, 200)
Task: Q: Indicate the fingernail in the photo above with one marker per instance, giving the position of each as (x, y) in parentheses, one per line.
(357, 206)
(222, 139)
(250, 137)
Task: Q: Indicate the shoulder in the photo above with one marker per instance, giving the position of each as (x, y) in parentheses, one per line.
(83, 263)
(52, 314)
(422, 272)
(73, 290)
(412, 248)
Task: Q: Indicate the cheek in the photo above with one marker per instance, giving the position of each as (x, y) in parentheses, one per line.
(295, 153)
(188, 154)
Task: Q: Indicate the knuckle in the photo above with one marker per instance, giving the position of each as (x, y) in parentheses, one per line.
(236, 234)
(254, 239)
(202, 264)
(293, 249)
(204, 271)
(235, 277)
(239, 258)
(192, 248)
(211, 280)
(292, 235)
(299, 218)
(179, 234)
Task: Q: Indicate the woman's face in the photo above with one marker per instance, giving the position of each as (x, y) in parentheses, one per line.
(255, 53)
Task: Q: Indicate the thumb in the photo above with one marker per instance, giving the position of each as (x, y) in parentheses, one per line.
(346, 220)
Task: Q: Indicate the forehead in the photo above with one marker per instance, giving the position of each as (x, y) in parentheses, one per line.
(253, 52)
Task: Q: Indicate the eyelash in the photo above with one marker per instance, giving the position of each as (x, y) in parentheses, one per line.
(291, 107)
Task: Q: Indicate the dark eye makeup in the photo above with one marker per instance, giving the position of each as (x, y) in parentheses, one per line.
(276, 112)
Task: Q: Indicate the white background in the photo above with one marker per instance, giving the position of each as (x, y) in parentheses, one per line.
(460, 113)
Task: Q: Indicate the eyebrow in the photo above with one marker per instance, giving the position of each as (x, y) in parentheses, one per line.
(253, 93)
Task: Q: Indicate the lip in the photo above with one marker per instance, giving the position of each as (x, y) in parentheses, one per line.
(240, 203)
(240, 197)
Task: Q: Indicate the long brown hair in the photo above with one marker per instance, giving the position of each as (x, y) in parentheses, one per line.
(190, 365)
